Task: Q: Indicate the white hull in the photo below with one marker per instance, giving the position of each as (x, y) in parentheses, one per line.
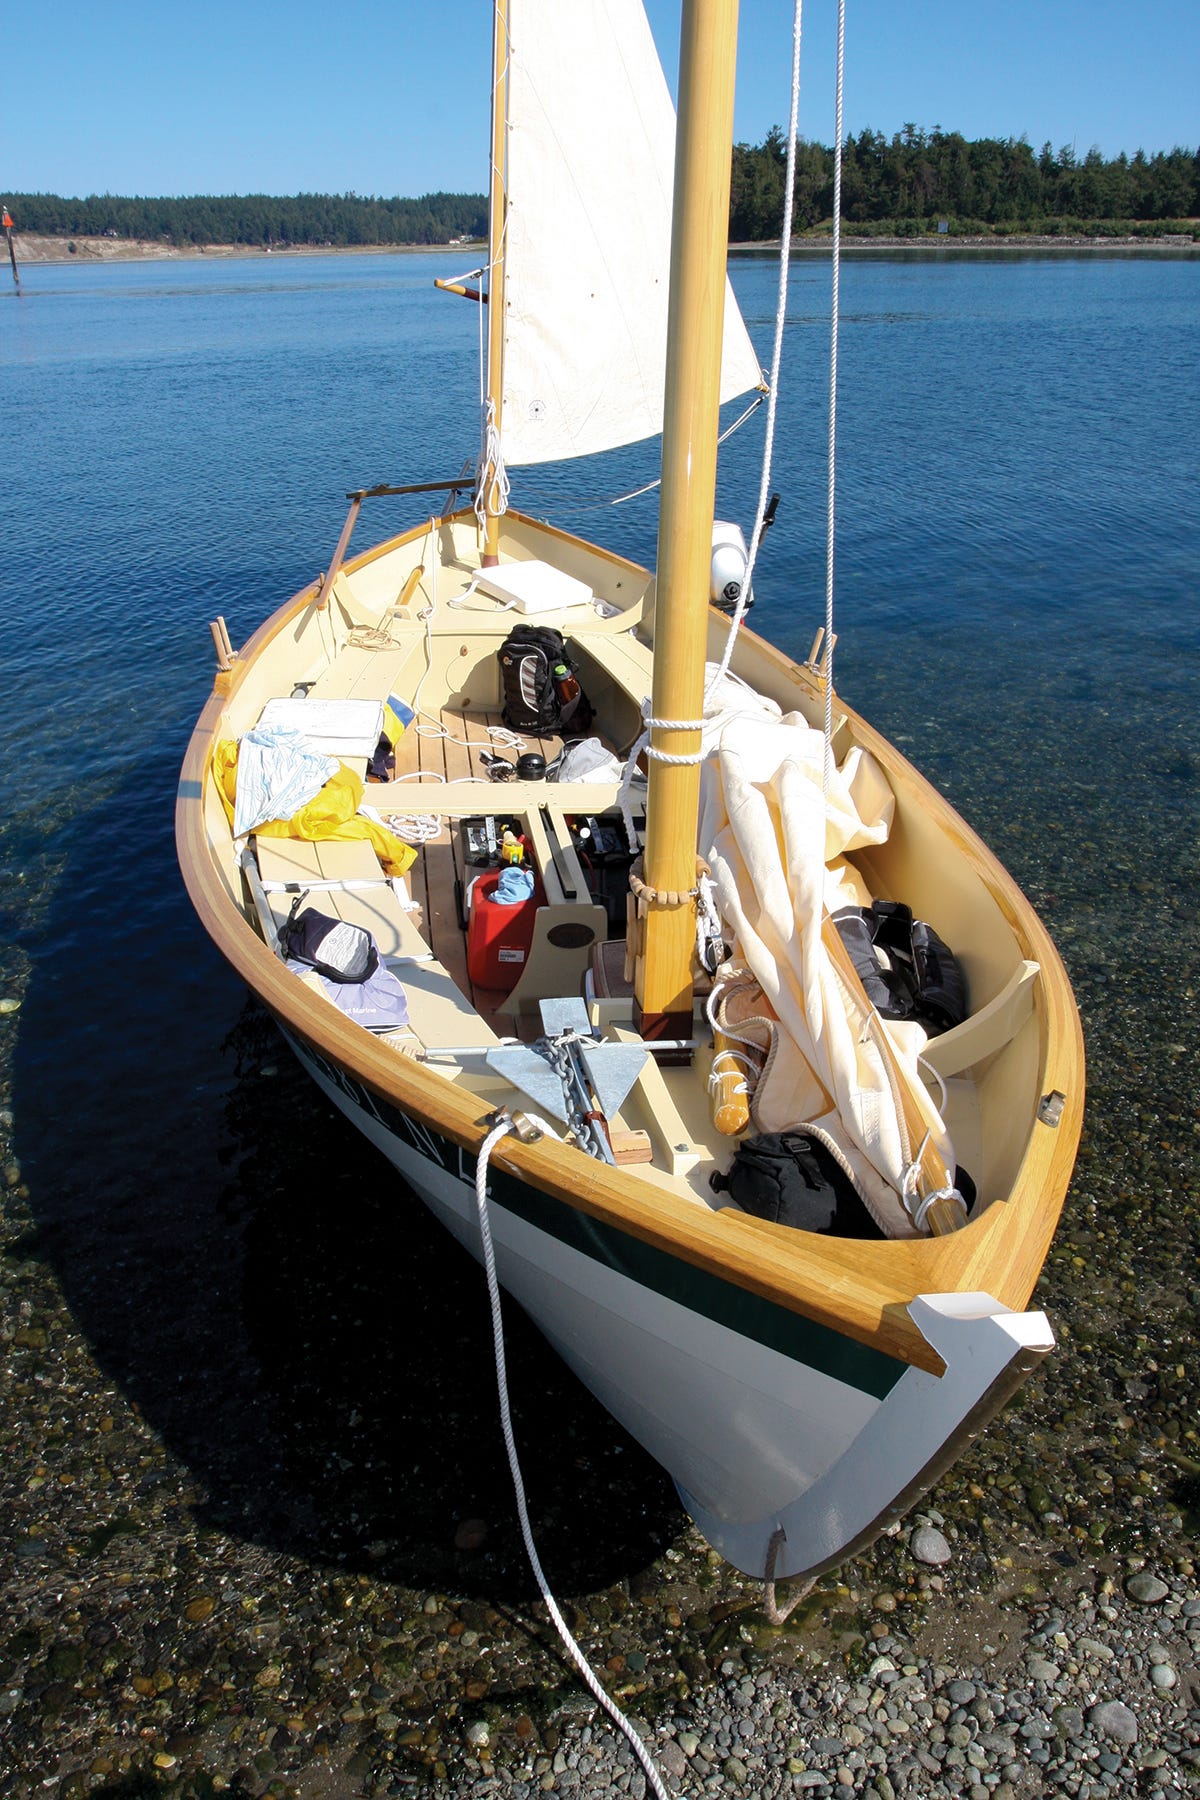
(755, 1437)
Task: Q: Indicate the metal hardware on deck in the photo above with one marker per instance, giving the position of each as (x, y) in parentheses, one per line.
(569, 1013)
(1050, 1107)
(317, 884)
(523, 1127)
(571, 1074)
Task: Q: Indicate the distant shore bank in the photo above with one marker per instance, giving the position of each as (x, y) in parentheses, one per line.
(32, 248)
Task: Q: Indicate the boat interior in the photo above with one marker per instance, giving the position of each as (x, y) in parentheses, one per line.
(412, 620)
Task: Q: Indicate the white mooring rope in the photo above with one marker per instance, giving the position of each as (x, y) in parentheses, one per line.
(577, 1656)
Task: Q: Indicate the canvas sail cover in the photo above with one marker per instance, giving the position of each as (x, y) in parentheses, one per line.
(591, 149)
(776, 844)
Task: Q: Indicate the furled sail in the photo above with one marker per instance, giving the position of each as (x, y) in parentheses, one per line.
(590, 171)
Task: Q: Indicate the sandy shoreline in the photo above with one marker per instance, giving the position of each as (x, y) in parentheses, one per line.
(33, 248)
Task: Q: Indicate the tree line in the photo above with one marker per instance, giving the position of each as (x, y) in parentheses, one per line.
(262, 220)
(906, 185)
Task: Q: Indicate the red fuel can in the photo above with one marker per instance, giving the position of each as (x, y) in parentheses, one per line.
(498, 937)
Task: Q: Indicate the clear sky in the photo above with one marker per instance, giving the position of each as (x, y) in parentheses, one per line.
(387, 96)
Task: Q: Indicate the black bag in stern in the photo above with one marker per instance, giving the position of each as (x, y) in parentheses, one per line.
(906, 969)
(794, 1179)
(540, 687)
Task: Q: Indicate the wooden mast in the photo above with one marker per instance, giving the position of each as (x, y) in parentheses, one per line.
(699, 245)
(497, 200)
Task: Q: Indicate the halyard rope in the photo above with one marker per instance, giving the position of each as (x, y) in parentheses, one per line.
(785, 246)
(785, 243)
(577, 1656)
(831, 473)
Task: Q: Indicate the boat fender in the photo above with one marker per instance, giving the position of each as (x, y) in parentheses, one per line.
(905, 968)
(793, 1179)
(730, 560)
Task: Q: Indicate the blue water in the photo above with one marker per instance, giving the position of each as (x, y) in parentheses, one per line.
(1019, 510)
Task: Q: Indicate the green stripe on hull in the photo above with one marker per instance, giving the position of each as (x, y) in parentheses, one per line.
(723, 1302)
(789, 1333)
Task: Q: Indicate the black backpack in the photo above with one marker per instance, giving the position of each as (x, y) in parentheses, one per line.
(534, 700)
(793, 1179)
(924, 981)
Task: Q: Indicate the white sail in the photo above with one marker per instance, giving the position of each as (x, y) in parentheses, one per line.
(590, 170)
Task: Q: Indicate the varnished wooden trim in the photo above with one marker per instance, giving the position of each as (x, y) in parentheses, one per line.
(860, 1288)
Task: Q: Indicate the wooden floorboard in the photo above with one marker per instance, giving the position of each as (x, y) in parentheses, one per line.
(459, 754)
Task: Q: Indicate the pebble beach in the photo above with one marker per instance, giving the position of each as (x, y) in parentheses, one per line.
(249, 1618)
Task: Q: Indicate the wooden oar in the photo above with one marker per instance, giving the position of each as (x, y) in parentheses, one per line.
(947, 1213)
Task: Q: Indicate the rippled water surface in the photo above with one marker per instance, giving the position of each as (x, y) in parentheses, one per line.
(1019, 512)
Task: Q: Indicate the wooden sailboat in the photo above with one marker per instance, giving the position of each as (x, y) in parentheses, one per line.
(801, 1388)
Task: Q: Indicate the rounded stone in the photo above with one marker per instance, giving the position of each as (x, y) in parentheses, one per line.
(928, 1545)
(1114, 1720)
(1163, 1676)
(1146, 1589)
(478, 1734)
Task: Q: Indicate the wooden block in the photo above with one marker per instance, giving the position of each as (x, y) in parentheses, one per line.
(631, 1147)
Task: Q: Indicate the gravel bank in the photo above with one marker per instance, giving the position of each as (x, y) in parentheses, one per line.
(251, 1619)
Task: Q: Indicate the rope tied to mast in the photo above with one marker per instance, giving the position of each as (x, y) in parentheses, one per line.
(493, 475)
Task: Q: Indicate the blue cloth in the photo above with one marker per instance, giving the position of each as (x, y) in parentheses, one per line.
(514, 886)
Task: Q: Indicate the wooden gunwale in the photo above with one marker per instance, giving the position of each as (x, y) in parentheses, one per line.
(861, 1289)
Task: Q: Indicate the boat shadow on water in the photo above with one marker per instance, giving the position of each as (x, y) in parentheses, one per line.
(311, 1349)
